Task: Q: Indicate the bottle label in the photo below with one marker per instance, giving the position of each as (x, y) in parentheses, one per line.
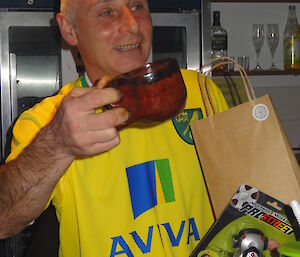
(219, 42)
(291, 51)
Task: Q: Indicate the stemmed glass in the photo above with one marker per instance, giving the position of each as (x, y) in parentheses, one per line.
(273, 39)
(258, 36)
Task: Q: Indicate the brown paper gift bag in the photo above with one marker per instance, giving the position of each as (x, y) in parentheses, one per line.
(245, 145)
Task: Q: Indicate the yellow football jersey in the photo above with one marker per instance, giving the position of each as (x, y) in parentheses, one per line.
(145, 197)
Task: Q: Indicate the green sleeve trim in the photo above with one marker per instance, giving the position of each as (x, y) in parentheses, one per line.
(28, 116)
(15, 141)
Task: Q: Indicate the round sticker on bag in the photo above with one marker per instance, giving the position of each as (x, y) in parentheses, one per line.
(260, 112)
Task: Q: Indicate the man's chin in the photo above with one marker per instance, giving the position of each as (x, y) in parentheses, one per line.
(129, 66)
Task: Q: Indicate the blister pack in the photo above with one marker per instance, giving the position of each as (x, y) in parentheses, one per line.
(249, 221)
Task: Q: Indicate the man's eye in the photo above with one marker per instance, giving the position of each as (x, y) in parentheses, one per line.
(106, 13)
(138, 7)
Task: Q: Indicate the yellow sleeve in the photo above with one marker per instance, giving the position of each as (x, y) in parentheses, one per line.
(33, 120)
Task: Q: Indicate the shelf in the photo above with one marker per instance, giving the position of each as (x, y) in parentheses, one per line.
(257, 73)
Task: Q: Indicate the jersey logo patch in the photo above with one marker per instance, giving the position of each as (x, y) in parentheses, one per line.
(183, 121)
(150, 184)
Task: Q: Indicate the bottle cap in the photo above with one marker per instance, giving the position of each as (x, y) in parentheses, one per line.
(216, 13)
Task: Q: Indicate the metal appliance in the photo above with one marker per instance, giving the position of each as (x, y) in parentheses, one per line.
(29, 64)
(183, 34)
(30, 4)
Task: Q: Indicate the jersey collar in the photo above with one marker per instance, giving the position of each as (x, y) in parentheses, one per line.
(85, 81)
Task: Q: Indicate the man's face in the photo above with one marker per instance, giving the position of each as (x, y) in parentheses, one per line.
(113, 36)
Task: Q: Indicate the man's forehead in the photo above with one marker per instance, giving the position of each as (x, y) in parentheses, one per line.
(100, 1)
(97, 1)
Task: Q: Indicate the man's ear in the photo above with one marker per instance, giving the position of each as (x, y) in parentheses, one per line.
(66, 29)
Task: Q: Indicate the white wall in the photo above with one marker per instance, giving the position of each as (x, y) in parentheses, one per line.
(238, 18)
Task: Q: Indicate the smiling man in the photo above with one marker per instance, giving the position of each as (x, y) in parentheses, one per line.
(134, 192)
(113, 37)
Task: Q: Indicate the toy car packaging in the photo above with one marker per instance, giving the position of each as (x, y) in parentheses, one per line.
(248, 222)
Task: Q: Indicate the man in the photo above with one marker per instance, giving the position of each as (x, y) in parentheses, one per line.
(145, 195)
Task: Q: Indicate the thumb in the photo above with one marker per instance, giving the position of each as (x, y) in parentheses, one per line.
(101, 83)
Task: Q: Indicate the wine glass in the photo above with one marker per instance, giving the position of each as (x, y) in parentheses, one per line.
(258, 36)
(272, 39)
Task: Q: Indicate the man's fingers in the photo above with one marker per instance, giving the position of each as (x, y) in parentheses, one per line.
(101, 147)
(107, 119)
(99, 84)
(79, 91)
(96, 142)
(96, 98)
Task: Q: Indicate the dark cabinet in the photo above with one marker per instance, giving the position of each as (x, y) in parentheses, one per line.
(30, 4)
(171, 5)
(155, 5)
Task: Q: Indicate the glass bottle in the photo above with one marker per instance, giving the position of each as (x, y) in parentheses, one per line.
(218, 37)
(291, 41)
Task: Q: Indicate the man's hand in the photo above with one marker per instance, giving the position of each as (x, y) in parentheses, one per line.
(79, 130)
(76, 130)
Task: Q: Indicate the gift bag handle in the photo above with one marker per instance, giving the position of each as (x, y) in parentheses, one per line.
(215, 63)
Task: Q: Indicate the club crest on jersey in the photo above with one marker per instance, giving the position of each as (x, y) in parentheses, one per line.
(183, 121)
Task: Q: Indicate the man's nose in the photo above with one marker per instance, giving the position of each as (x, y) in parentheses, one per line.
(129, 23)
